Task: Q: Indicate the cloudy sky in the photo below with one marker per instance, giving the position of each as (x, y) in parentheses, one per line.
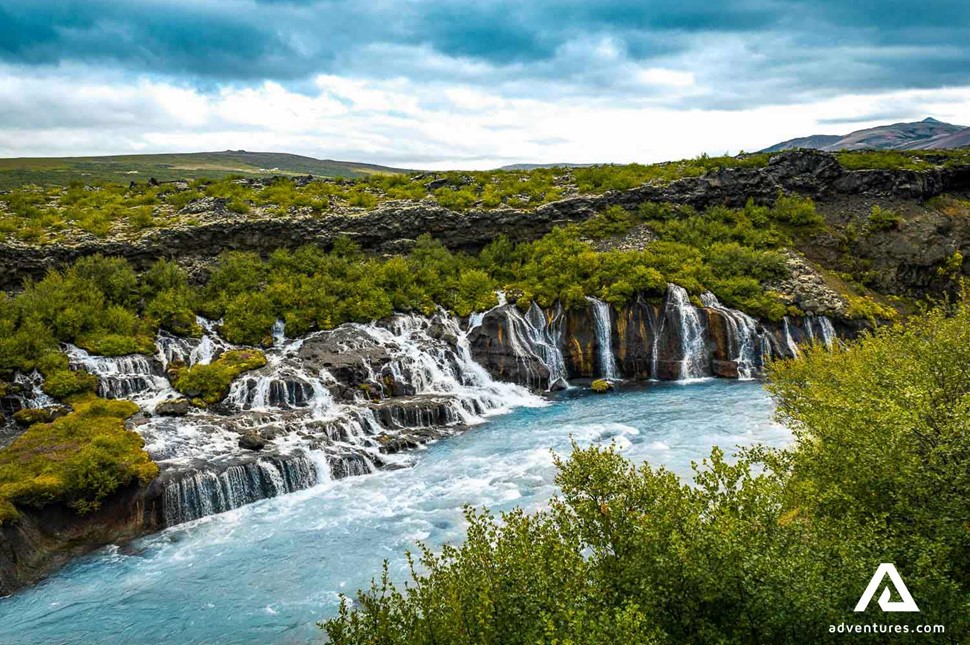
(445, 83)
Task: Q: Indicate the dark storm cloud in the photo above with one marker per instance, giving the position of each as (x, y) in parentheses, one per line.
(741, 52)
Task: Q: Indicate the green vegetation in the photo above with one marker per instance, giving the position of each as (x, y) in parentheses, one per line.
(168, 167)
(902, 159)
(101, 305)
(882, 219)
(601, 386)
(210, 383)
(53, 208)
(773, 548)
(77, 460)
(43, 214)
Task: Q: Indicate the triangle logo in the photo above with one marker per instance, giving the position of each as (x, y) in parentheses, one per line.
(905, 604)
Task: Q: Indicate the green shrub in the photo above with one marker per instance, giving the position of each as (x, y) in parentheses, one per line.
(65, 383)
(882, 219)
(601, 386)
(210, 383)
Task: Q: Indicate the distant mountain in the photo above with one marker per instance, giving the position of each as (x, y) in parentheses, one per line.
(928, 134)
(214, 165)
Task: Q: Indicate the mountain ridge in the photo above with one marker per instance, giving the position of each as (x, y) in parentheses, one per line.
(928, 134)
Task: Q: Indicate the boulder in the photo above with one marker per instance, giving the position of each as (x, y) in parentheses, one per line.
(175, 408)
(252, 441)
(29, 416)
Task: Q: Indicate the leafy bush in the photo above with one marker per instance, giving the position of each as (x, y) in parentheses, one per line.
(65, 383)
(78, 459)
(210, 383)
(775, 547)
(882, 219)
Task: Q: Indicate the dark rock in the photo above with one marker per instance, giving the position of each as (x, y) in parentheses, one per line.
(176, 408)
(491, 348)
(252, 441)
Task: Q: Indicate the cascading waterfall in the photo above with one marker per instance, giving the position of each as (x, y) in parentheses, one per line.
(533, 336)
(693, 352)
(746, 343)
(132, 376)
(34, 396)
(293, 403)
(419, 373)
(604, 339)
(204, 492)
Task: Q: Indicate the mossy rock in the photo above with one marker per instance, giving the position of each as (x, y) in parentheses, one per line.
(78, 459)
(208, 384)
(601, 386)
(29, 416)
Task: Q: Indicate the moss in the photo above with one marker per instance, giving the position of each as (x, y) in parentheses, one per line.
(78, 459)
(65, 383)
(210, 383)
(30, 416)
(601, 386)
(866, 308)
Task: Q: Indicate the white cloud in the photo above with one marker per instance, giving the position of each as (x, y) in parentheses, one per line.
(421, 125)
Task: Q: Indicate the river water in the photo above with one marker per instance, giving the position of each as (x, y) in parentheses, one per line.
(265, 573)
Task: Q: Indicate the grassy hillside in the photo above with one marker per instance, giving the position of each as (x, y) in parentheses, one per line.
(60, 171)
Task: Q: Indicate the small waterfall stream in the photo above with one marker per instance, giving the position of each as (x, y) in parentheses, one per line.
(533, 336)
(748, 345)
(693, 352)
(604, 340)
(120, 377)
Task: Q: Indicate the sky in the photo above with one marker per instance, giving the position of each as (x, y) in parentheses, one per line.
(448, 84)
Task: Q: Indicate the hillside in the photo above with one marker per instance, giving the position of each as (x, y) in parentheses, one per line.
(928, 134)
(60, 171)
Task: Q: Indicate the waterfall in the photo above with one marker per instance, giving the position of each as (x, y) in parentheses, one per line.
(279, 333)
(533, 336)
(316, 427)
(119, 377)
(34, 396)
(205, 492)
(604, 339)
(819, 329)
(693, 352)
(546, 338)
(747, 345)
(787, 338)
(191, 351)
